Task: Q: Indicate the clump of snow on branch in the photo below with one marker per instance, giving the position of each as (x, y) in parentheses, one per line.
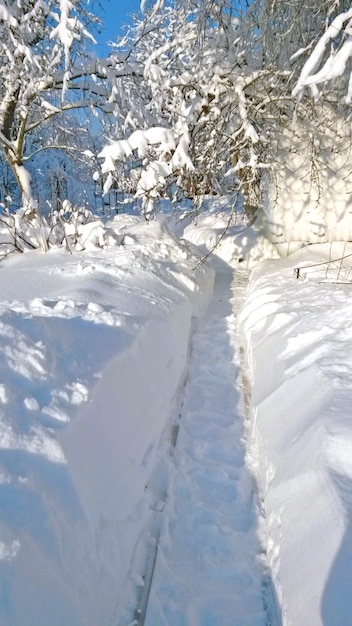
(68, 30)
(313, 73)
(158, 4)
(170, 156)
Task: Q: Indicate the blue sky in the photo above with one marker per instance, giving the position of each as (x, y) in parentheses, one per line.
(115, 13)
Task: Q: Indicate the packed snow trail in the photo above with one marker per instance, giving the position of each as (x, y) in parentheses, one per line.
(208, 569)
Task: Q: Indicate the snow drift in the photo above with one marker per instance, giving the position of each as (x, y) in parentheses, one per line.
(94, 347)
(298, 337)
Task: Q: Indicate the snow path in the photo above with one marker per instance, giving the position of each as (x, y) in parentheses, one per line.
(208, 568)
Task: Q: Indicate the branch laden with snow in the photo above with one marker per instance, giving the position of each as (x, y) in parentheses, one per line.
(68, 30)
(317, 71)
(160, 154)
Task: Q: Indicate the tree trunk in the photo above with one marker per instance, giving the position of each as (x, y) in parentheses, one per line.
(23, 179)
(32, 215)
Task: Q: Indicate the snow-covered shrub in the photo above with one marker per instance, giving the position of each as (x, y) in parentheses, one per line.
(66, 224)
(72, 227)
(22, 230)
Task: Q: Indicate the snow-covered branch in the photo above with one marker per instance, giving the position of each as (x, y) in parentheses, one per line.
(313, 73)
(161, 155)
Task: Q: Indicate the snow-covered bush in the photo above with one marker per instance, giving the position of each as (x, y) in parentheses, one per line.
(72, 227)
(68, 225)
(21, 230)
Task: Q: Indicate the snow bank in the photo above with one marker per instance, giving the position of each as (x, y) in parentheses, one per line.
(298, 337)
(94, 347)
(227, 236)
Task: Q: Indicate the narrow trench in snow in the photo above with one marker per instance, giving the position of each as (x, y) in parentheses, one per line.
(205, 562)
(271, 604)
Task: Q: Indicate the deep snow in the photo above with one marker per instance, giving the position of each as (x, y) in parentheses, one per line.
(298, 336)
(164, 457)
(94, 346)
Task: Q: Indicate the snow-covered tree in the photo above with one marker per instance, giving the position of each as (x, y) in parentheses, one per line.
(215, 81)
(195, 91)
(193, 87)
(40, 70)
(58, 174)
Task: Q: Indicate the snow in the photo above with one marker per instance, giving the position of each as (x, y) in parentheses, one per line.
(298, 339)
(139, 140)
(335, 64)
(154, 173)
(88, 343)
(175, 438)
(207, 566)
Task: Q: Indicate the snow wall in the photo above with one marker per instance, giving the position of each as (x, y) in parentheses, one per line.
(111, 451)
(298, 350)
(75, 497)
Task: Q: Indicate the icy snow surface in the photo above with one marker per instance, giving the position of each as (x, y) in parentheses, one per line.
(125, 445)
